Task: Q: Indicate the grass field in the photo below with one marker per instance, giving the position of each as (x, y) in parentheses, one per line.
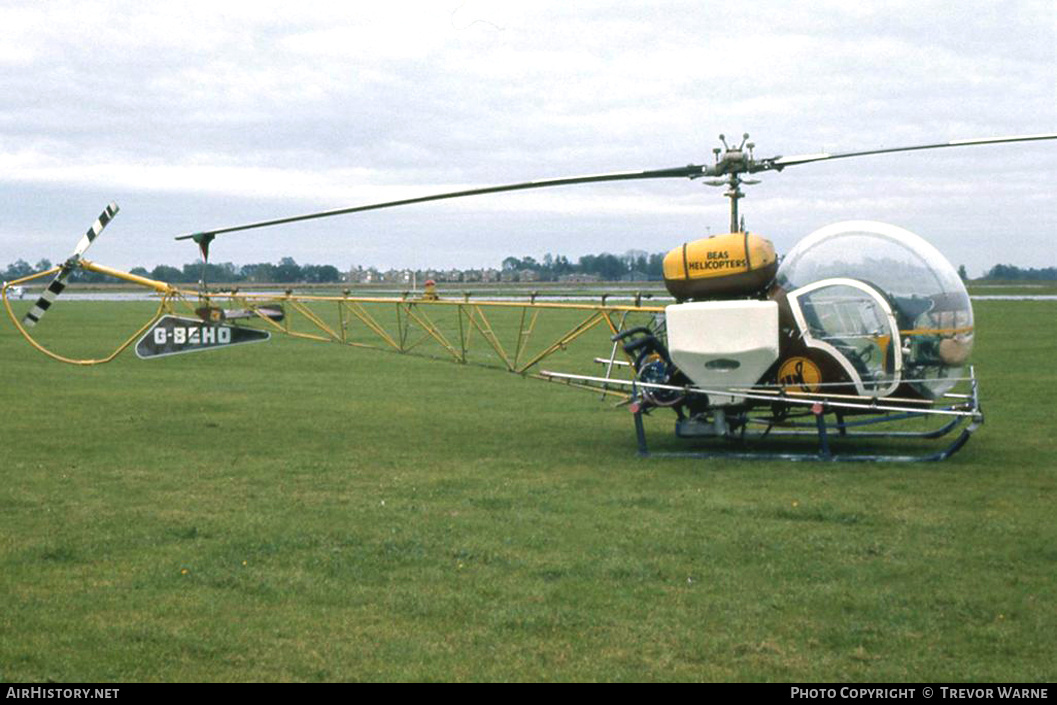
(302, 511)
(1009, 288)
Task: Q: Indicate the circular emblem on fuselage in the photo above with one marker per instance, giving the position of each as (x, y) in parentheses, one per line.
(799, 374)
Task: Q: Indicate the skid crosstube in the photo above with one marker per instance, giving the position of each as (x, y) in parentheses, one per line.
(740, 446)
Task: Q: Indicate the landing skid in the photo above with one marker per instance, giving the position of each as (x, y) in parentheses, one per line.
(830, 419)
(737, 447)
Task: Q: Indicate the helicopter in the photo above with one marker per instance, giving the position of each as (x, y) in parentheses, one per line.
(859, 331)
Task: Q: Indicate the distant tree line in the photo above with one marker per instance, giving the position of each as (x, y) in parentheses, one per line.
(22, 268)
(287, 271)
(1010, 272)
(605, 266)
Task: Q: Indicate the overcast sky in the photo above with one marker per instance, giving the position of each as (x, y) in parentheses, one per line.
(198, 115)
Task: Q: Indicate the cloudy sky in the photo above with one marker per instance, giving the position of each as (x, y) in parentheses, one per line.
(198, 115)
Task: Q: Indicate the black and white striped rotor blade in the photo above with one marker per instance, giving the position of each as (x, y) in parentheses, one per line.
(47, 298)
(97, 227)
(58, 284)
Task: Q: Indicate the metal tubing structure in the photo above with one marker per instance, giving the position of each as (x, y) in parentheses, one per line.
(416, 328)
(360, 321)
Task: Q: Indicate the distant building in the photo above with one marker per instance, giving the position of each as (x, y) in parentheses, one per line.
(359, 275)
(578, 278)
(397, 276)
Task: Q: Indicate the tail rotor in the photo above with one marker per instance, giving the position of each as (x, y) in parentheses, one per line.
(58, 284)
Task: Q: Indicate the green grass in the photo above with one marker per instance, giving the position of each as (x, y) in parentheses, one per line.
(1013, 288)
(301, 511)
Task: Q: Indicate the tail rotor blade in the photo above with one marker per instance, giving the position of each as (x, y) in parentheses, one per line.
(97, 227)
(47, 298)
(58, 284)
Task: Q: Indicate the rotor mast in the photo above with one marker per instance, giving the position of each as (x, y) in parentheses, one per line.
(734, 194)
(734, 162)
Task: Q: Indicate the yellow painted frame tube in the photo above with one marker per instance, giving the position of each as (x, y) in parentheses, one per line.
(412, 309)
(164, 305)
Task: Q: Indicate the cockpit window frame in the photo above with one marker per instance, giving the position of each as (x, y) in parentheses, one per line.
(895, 344)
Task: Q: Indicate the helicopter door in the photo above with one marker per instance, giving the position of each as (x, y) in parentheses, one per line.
(852, 321)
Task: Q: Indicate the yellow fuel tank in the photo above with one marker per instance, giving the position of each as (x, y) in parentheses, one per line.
(721, 266)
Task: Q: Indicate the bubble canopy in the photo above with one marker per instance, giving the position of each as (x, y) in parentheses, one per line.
(926, 295)
(893, 259)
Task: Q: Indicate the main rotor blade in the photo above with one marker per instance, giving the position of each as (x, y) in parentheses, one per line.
(689, 171)
(724, 167)
(58, 284)
(782, 162)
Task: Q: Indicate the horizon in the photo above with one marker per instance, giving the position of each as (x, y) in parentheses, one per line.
(1021, 269)
(194, 116)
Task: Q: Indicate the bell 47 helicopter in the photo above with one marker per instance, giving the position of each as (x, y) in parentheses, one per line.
(863, 331)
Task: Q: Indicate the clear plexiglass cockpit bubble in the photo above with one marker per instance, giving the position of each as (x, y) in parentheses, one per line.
(929, 300)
